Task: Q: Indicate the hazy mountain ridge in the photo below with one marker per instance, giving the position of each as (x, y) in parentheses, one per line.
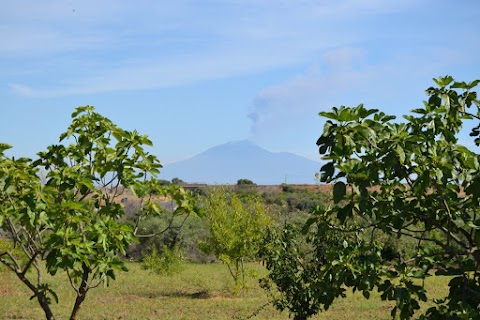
(243, 159)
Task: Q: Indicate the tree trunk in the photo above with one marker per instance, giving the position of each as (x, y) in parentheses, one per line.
(81, 293)
(42, 299)
(244, 285)
(76, 308)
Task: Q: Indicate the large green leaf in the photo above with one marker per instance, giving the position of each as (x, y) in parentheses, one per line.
(339, 191)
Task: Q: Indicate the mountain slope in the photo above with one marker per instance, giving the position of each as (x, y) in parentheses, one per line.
(231, 161)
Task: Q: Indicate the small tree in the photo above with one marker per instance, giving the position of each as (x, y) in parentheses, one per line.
(73, 221)
(236, 230)
(168, 262)
(294, 266)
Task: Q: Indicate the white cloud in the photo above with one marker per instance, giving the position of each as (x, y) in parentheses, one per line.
(141, 45)
(82, 47)
(21, 89)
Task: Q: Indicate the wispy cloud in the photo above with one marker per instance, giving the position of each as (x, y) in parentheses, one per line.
(144, 45)
(82, 47)
(21, 89)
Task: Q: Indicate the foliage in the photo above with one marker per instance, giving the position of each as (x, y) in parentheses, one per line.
(177, 181)
(281, 207)
(74, 222)
(412, 180)
(164, 182)
(184, 233)
(308, 271)
(296, 199)
(236, 228)
(245, 193)
(168, 262)
(290, 276)
(287, 187)
(242, 182)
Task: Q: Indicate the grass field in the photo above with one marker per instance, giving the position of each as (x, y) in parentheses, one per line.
(201, 291)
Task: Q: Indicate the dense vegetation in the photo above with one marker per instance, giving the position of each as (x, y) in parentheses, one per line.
(286, 203)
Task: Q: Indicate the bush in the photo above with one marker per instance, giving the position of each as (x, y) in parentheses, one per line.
(168, 262)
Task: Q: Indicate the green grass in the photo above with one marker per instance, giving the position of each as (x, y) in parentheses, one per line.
(201, 291)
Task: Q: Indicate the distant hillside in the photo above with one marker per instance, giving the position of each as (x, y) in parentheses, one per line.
(226, 163)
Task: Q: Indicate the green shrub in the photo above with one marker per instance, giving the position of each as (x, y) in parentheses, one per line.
(168, 262)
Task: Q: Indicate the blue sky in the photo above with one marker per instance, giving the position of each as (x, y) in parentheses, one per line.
(194, 74)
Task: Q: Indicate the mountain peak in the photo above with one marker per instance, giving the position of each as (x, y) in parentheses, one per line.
(234, 147)
(244, 142)
(243, 159)
(237, 144)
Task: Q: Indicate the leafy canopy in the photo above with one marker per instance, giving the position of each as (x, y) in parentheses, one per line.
(412, 179)
(241, 182)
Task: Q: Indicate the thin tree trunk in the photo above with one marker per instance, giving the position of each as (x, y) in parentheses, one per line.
(81, 293)
(76, 308)
(42, 299)
(243, 276)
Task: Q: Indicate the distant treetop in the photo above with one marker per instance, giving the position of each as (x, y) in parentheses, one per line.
(245, 182)
(177, 181)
